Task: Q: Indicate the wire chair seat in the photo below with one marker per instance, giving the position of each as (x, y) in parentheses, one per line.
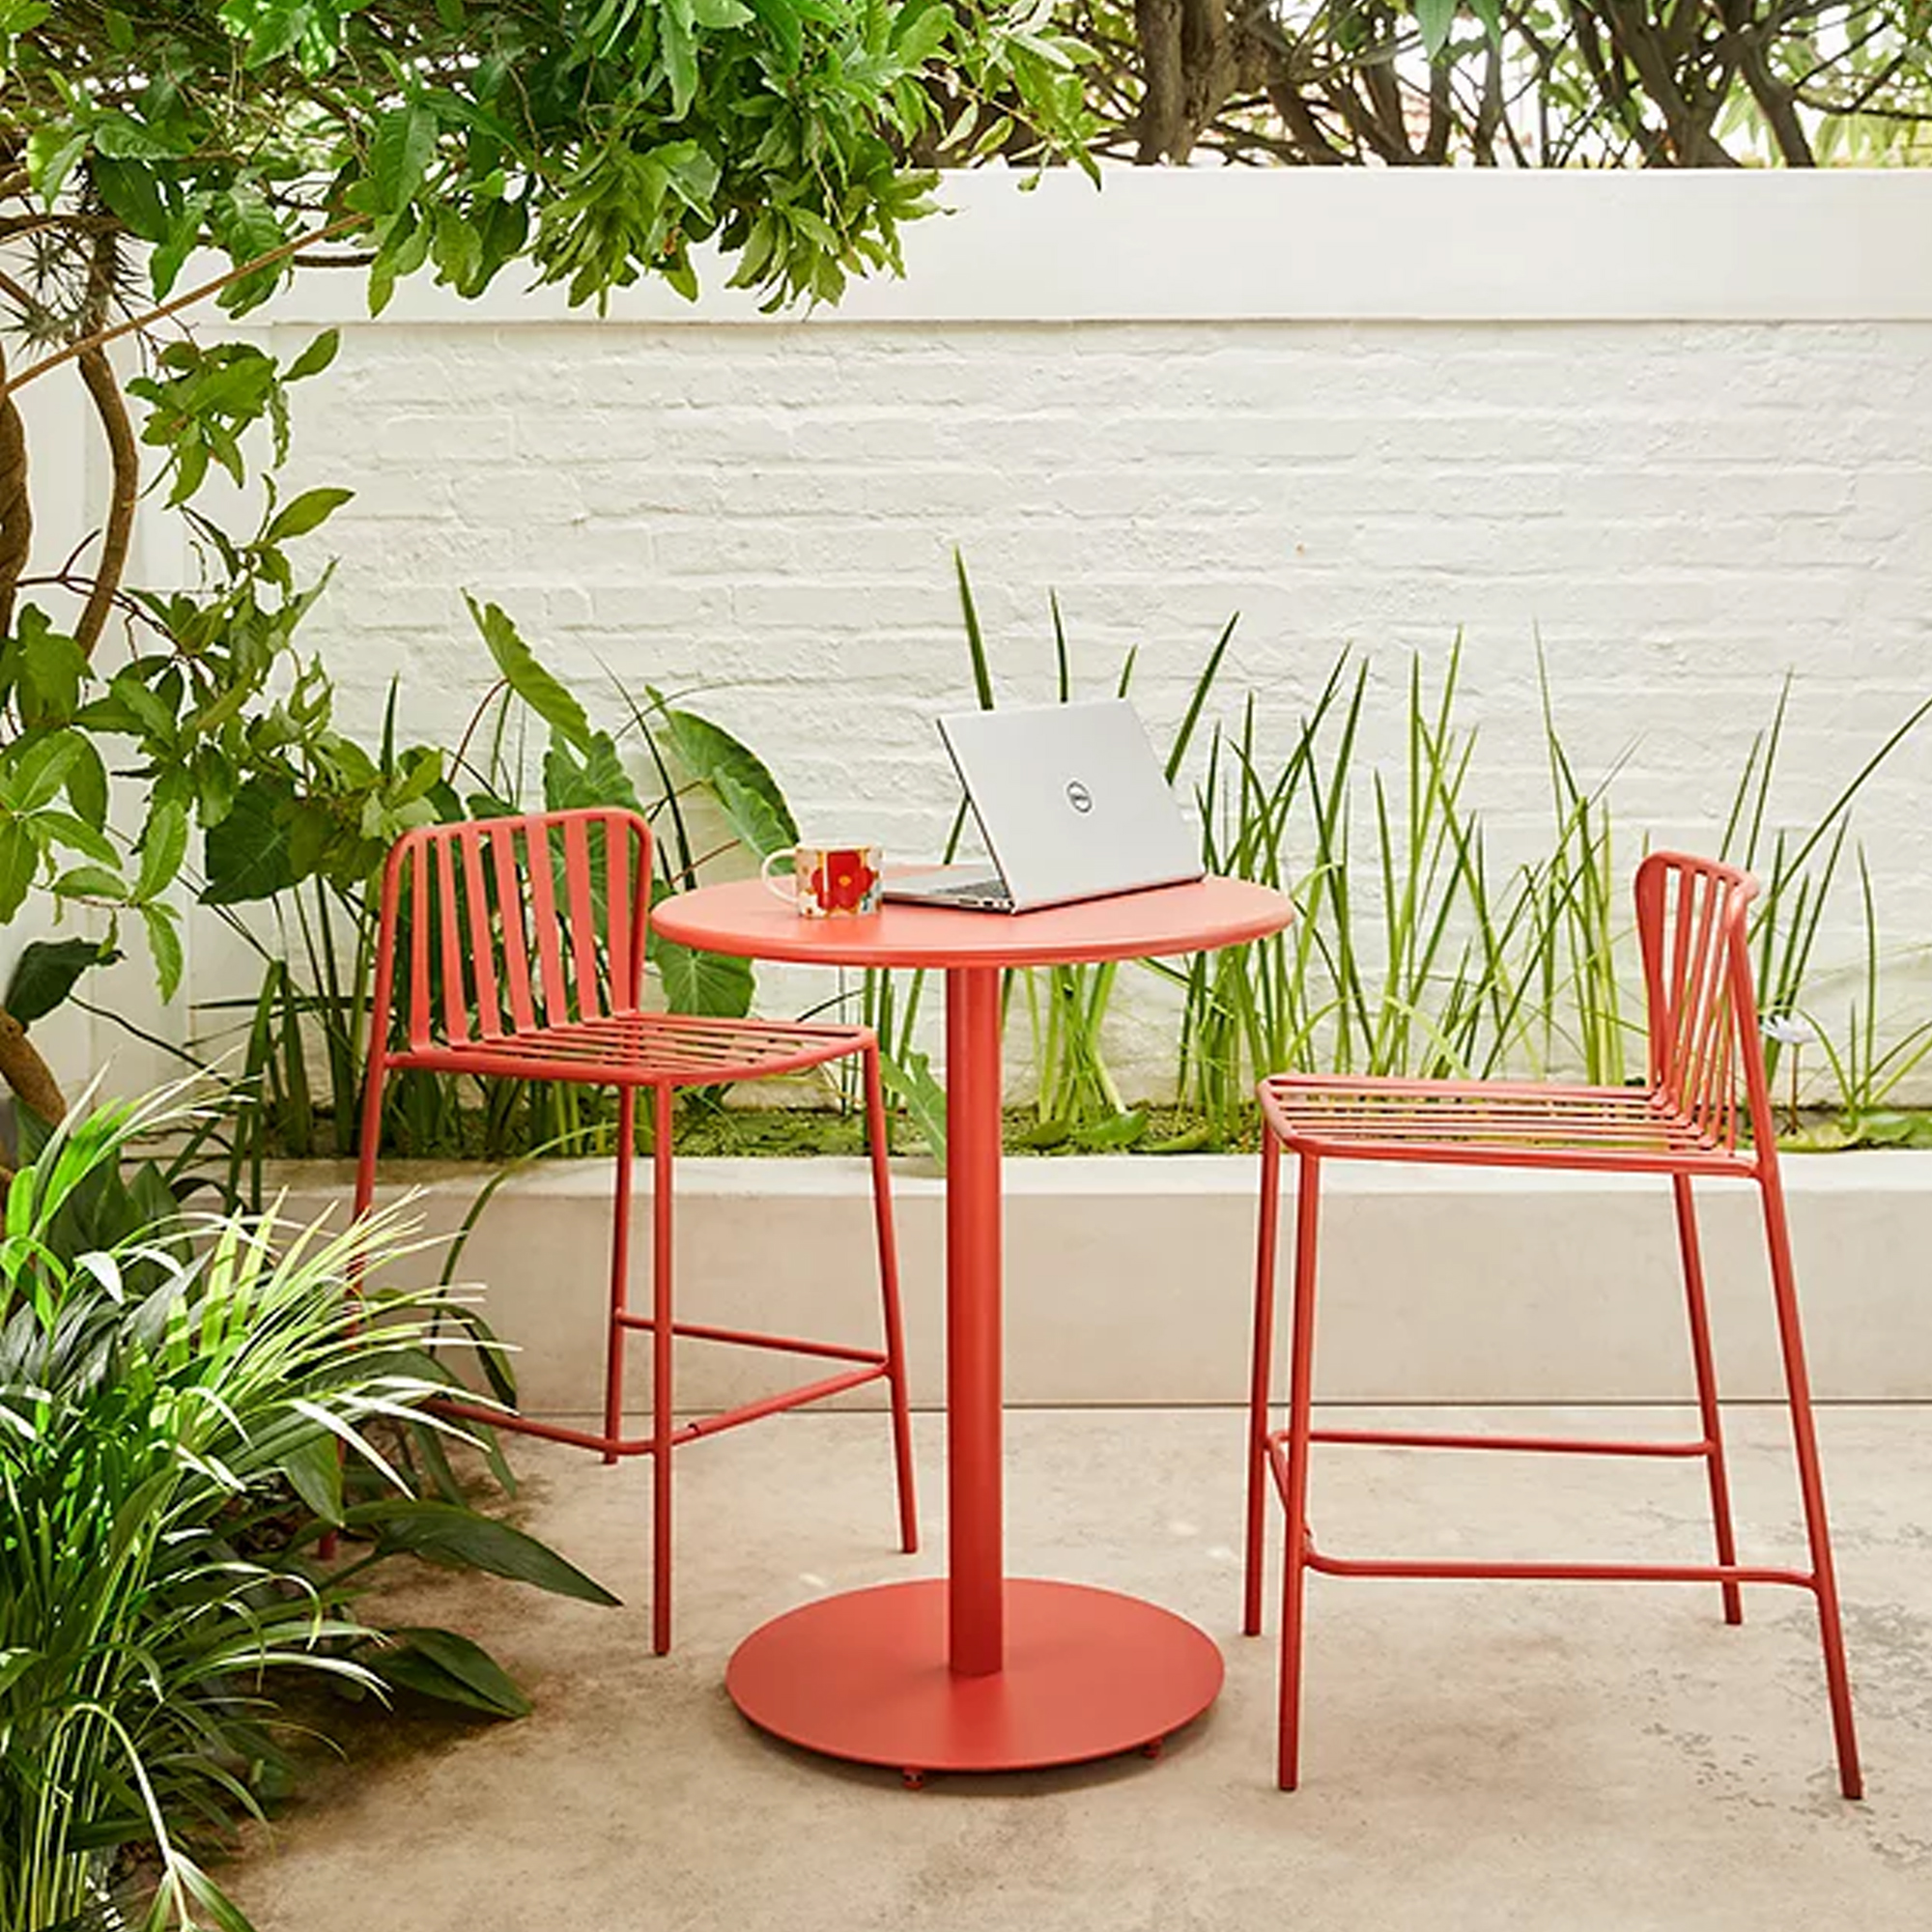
(1526, 1123)
(644, 1049)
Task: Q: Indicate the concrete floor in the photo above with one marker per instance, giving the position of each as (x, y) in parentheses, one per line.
(1561, 1758)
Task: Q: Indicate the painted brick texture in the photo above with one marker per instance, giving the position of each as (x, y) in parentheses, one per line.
(763, 515)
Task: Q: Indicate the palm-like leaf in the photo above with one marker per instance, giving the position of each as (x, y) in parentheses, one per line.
(147, 1432)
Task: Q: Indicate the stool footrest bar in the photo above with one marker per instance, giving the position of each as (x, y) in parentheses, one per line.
(787, 1345)
(688, 1432)
(1555, 1445)
(1558, 1573)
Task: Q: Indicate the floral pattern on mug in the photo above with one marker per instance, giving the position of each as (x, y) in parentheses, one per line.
(843, 882)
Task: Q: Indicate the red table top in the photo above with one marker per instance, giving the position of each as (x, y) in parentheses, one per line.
(747, 920)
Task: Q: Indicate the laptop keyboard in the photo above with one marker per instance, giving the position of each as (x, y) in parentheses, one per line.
(971, 889)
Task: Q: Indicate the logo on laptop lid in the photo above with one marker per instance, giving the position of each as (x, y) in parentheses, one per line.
(1078, 796)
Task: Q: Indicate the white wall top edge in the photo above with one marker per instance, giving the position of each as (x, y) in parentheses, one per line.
(1871, 1171)
(1329, 244)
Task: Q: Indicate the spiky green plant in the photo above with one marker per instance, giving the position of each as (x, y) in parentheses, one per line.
(175, 1403)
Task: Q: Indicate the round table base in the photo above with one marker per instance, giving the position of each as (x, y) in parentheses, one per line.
(1089, 1673)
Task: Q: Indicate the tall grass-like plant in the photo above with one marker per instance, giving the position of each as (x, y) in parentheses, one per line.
(1409, 957)
(1867, 1070)
(173, 1404)
(1076, 1096)
(1406, 964)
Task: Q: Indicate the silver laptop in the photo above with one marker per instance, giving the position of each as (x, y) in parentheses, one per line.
(1073, 803)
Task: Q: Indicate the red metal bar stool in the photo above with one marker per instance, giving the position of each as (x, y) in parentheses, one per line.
(526, 957)
(1703, 1028)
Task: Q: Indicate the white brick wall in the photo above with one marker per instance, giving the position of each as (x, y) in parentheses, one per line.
(1678, 430)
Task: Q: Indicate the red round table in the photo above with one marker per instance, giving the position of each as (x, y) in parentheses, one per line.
(974, 1672)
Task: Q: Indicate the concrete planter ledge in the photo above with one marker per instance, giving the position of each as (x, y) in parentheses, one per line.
(1129, 1279)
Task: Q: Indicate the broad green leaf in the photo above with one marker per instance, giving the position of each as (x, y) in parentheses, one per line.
(598, 779)
(439, 1663)
(445, 1534)
(746, 791)
(65, 829)
(184, 236)
(90, 882)
(528, 678)
(314, 1474)
(53, 666)
(1434, 20)
(87, 785)
(163, 847)
(712, 984)
(47, 971)
(911, 1082)
(305, 513)
(399, 155)
(20, 861)
(246, 229)
(1114, 1130)
(315, 358)
(36, 772)
(122, 138)
(919, 32)
(51, 153)
(245, 856)
(272, 28)
(130, 190)
(14, 1665)
(381, 284)
(679, 57)
(164, 943)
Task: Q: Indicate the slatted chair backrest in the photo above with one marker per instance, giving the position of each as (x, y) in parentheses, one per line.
(1692, 919)
(504, 925)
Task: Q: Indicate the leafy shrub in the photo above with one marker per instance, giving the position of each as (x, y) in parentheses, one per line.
(178, 1396)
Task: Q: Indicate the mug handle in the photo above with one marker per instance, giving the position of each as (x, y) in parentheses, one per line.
(788, 892)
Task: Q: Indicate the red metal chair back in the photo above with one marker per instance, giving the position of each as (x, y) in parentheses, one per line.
(1692, 924)
(513, 924)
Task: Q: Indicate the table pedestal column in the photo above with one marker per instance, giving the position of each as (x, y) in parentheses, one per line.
(973, 1362)
(974, 1672)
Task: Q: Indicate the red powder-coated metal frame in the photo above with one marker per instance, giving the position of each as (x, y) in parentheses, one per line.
(1704, 1038)
(977, 1671)
(522, 943)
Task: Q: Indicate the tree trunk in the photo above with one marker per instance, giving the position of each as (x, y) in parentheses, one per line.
(1187, 67)
(27, 1073)
(17, 509)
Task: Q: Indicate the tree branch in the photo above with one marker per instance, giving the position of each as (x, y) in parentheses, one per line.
(1777, 100)
(16, 507)
(97, 372)
(149, 316)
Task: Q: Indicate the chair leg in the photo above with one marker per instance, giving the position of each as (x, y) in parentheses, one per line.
(371, 1136)
(1300, 1399)
(366, 1149)
(1706, 1387)
(1810, 1483)
(615, 1333)
(661, 1372)
(1260, 1376)
(879, 1147)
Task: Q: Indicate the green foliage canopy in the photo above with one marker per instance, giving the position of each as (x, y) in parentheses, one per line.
(598, 141)
(593, 141)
